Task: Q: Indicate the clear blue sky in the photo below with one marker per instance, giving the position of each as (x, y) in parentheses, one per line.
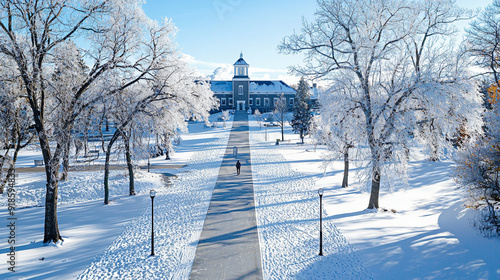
(214, 32)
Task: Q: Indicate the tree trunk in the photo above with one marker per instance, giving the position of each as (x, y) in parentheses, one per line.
(345, 181)
(12, 166)
(373, 204)
(129, 165)
(434, 143)
(434, 149)
(282, 134)
(106, 166)
(51, 228)
(64, 175)
(86, 145)
(407, 151)
(11, 169)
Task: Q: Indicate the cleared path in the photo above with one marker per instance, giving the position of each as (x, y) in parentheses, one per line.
(229, 244)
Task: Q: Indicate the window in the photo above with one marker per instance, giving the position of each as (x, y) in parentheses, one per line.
(230, 101)
(223, 102)
(257, 101)
(290, 101)
(250, 101)
(240, 90)
(266, 102)
(275, 101)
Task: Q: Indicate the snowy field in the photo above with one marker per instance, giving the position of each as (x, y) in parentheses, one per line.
(113, 241)
(287, 209)
(429, 237)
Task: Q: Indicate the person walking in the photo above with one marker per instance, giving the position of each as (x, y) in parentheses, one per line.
(238, 166)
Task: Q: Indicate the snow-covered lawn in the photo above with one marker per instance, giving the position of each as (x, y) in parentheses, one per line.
(287, 209)
(113, 241)
(429, 237)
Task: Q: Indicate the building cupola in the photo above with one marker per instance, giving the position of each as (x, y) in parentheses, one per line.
(241, 68)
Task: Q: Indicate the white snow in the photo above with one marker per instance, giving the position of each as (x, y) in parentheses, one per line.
(429, 236)
(116, 238)
(179, 215)
(287, 208)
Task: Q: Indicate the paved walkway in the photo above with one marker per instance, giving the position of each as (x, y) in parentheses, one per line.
(229, 244)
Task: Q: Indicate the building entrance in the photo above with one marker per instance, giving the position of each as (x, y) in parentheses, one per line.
(240, 105)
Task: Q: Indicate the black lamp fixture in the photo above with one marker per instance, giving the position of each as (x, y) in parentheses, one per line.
(152, 194)
(320, 192)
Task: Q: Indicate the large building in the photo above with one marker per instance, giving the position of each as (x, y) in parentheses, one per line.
(242, 94)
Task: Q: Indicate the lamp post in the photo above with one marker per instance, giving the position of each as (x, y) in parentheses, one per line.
(152, 194)
(266, 128)
(320, 192)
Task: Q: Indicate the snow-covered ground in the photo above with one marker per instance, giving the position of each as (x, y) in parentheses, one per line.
(429, 237)
(287, 209)
(115, 238)
(180, 215)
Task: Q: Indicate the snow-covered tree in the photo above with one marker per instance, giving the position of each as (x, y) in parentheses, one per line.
(484, 40)
(225, 117)
(258, 117)
(478, 171)
(172, 94)
(403, 67)
(302, 114)
(119, 40)
(279, 112)
(69, 70)
(478, 163)
(336, 128)
(15, 133)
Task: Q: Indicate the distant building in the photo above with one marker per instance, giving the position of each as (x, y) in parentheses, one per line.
(242, 94)
(315, 94)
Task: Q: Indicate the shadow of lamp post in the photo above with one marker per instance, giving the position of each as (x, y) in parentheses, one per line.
(320, 192)
(152, 194)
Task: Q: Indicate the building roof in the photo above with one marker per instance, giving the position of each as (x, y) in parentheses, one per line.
(255, 86)
(315, 92)
(221, 86)
(241, 61)
(270, 86)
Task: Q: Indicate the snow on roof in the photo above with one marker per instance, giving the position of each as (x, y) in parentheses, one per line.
(314, 92)
(270, 86)
(221, 86)
(255, 86)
